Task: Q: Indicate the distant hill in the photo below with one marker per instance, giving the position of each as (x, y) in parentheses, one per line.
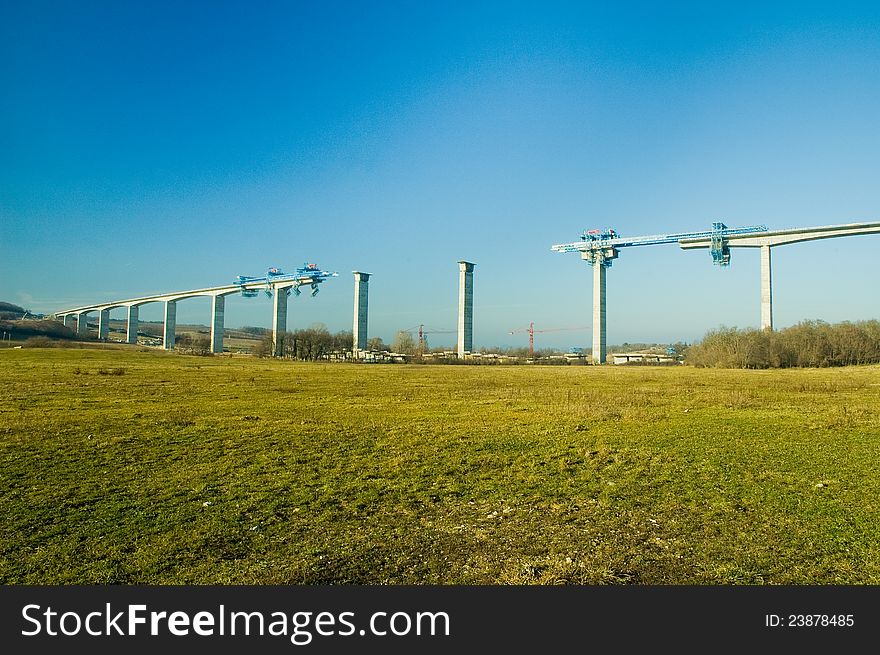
(26, 329)
(10, 311)
(256, 331)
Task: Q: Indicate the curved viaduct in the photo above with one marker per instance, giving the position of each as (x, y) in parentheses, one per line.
(281, 290)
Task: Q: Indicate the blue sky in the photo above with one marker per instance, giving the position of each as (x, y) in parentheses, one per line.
(149, 147)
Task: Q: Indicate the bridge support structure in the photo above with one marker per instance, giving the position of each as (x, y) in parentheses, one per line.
(361, 303)
(218, 309)
(82, 324)
(766, 290)
(103, 324)
(132, 328)
(169, 329)
(600, 260)
(279, 319)
(465, 308)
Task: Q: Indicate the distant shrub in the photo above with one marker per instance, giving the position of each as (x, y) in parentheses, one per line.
(111, 371)
(38, 342)
(201, 346)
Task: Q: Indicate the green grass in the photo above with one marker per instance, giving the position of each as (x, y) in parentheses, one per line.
(216, 470)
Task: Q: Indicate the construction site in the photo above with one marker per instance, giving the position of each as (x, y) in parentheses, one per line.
(418, 327)
(598, 248)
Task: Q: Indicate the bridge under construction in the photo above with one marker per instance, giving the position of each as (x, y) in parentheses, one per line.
(276, 284)
(600, 247)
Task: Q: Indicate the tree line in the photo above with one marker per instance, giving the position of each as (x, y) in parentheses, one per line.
(309, 344)
(807, 344)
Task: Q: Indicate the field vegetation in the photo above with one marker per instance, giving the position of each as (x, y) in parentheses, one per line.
(120, 466)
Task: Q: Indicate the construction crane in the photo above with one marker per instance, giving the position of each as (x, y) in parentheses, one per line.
(531, 330)
(307, 274)
(423, 341)
(600, 247)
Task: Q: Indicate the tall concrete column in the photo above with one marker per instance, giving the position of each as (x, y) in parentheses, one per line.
(766, 290)
(361, 300)
(279, 319)
(598, 311)
(218, 308)
(103, 324)
(170, 324)
(600, 259)
(68, 321)
(465, 307)
(82, 324)
(132, 336)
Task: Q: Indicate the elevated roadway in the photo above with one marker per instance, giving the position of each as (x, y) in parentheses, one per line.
(767, 240)
(280, 290)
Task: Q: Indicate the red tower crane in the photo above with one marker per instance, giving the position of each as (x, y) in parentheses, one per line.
(531, 330)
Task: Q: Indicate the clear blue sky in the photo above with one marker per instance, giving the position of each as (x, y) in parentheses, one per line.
(161, 146)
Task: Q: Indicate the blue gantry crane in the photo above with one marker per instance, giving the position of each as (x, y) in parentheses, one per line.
(601, 247)
(307, 274)
(598, 243)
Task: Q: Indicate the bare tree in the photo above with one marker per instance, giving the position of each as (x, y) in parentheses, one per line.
(404, 343)
(263, 347)
(376, 343)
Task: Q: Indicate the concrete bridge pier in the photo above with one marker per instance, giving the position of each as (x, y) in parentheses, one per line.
(68, 321)
(599, 330)
(361, 301)
(170, 324)
(465, 307)
(766, 290)
(103, 324)
(279, 319)
(218, 309)
(132, 336)
(82, 324)
(600, 260)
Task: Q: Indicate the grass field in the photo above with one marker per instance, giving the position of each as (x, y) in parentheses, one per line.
(134, 467)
